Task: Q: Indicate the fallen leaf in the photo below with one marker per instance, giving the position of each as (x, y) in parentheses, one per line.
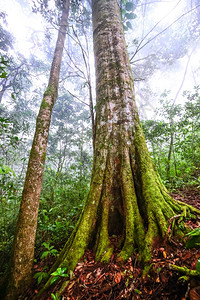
(164, 254)
(158, 279)
(79, 266)
(118, 277)
(88, 275)
(71, 285)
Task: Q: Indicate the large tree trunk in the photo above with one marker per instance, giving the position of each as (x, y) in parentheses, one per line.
(126, 196)
(20, 273)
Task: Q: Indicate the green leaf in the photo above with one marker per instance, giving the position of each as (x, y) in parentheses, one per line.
(123, 11)
(46, 245)
(13, 96)
(130, 16)
(54, 252)
(55, 297)
(193, 242)
(3, 61)
(128, 24)
(39, 279)
(3, 75)
(6, 170)
(39, 276)
(198, 266)
(194, 232)
(59, 272)
(54, 279)
(130, 6)
(44, 254)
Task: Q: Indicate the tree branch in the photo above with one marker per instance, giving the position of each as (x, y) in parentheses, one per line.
(77, 98)
(139, 48)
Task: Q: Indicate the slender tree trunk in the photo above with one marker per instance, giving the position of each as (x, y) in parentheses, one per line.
(89, 81)
(194, 161)
(20, 274)
(61, 160)
(175, 164)
(171, 145)
(126, 195)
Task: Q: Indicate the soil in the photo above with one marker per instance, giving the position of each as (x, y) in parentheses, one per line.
(94, 280)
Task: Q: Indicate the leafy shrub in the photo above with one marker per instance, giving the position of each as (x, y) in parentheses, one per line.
(194, 239)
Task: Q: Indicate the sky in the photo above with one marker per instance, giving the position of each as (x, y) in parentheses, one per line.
(173, 80)
(183, 74)
(22, 23)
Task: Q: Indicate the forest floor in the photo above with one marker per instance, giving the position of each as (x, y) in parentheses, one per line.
(94, 280)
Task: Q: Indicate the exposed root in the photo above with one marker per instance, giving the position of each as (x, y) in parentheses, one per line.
(147, 211)
(185, 271)
(134, 228)
(103, 247)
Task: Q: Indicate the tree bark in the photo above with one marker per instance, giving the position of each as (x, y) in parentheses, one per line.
(126, 195)
(171, 145)
(20, 273)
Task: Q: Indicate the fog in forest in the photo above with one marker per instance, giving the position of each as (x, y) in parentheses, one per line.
(163, 42)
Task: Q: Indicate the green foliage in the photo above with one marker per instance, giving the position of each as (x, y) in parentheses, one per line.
(13, 158)
(128, 24)
(6, 170)
(55, 297)
(129, 6)
(3, 65)
(40, 276)
(60, 272)
(137, 291)
(194, 239)
(50, 250)
(174, 141)
(61, 202)
(130, 16)
(68, 167)
(198, 266)
(127, 13)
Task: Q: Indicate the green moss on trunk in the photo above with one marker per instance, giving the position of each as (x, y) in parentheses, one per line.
(21, 262)
(124, 185)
